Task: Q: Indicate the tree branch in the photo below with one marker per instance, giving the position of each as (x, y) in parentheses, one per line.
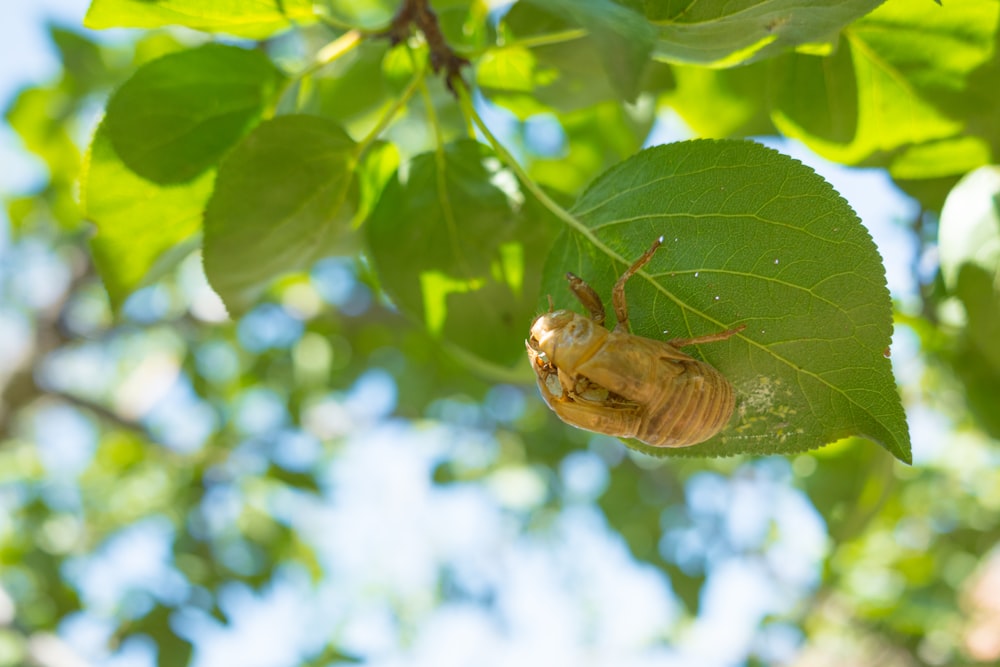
(418, 13)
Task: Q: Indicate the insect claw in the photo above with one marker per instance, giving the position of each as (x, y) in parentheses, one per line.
(551, 305)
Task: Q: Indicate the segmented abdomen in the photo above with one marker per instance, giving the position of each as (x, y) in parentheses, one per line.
(695, 405)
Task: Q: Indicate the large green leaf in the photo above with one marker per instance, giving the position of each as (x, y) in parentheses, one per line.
(255, 19)
(284, 198)
(745, 30)
(453, 251)
(751, 237)
(178, 115)
(906, 74)
(138, 222)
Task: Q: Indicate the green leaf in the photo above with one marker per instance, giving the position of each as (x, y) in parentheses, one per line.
(819, 95)
(254, 20)
(511, 68)
(622, 37)
(173, 650)
(369, 15)
(563, 79)
(562, 59)
(352, 88)
(377, 166)
(908, 73)
(730, 33)
(178, 115)
(38, 116)
(82, 60)
(138, 222)
(751, 237)
(455, 252)
(284, 198)
(940, 159)
(41, 117)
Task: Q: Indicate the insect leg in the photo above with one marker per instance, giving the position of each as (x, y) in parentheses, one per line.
(707, 338)
(587, 296)
(618, 293)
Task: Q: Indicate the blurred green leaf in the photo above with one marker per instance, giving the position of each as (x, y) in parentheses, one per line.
(177, 116)
(818, 95)
(43, 119)
(284, 197)
(455, 252)
(623, 39)
(39, 116)
(564, 73)
(937, 159)
(352, 87)
(138, 222)
(81, 58)
(511, 68)
(368, 15)
(255, 20)
(722, 103)
(596, 138)
(738, 32)
(377, 166)
(969, 244)
(751, 237)
(174, 651)
(969, 231)
(980, 377)
(900, 76)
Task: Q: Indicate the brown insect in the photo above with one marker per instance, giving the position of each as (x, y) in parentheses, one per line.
(619, 384)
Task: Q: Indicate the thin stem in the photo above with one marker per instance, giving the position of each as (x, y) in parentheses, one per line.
(333, 50)
(326, 55)
(552, 38)
(432, 119)
(529, 184)
(415, 83)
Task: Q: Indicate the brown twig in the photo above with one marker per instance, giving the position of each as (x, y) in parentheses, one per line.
(418, 14)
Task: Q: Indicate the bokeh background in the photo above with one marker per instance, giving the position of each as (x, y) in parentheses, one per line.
(318, 483)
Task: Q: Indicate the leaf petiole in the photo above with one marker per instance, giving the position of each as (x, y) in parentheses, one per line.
(505, 156)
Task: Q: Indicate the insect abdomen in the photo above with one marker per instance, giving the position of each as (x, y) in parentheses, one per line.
(693, 407)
